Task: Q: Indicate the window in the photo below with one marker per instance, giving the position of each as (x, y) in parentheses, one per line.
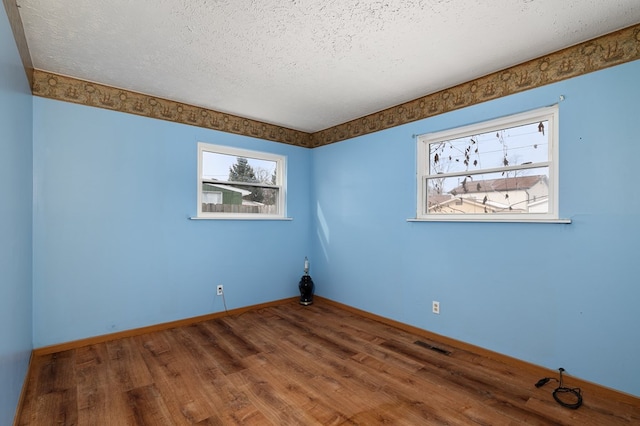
(240, 184)
(500, 170)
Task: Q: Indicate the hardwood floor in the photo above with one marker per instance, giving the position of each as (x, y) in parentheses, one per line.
(294, 365)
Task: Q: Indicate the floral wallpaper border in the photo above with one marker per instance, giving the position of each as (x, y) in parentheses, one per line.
(69, 89)
(606, 51)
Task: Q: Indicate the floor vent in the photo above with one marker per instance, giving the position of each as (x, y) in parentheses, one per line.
(431, 347)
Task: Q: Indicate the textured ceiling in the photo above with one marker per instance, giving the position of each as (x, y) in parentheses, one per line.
(303, 64)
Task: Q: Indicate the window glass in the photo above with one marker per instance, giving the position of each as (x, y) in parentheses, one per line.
(234, 183)
(504, 168)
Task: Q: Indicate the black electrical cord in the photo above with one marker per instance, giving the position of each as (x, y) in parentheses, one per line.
(562, 393)
(574, 393)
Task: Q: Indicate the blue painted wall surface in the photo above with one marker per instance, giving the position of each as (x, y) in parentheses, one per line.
(113, 246)
(15, 223)
(554, 295)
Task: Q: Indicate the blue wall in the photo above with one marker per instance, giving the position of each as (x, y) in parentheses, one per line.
(15, 222)
(114, 248)
(554, 295)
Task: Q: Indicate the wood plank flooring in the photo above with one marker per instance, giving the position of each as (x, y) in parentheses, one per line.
(294, 365)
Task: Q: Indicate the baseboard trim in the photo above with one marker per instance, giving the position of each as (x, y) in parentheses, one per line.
(585, 385)
(75, 344)
(23, 392)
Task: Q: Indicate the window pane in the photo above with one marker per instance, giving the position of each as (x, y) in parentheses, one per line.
(515, 191)
(495, 149)
(226, 168)
(240, 199)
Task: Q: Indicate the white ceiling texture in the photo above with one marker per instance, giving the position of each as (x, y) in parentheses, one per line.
(304, 64)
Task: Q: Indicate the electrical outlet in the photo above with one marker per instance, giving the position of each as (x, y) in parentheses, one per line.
(219, 290)
(435, 307)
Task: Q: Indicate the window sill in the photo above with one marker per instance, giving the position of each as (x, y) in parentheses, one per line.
(492, 220)
(240, 218)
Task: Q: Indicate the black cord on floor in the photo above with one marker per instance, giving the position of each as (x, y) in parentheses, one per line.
(561, 393)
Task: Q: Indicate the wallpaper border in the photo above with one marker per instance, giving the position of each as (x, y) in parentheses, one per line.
(69, 89)
(609, 50)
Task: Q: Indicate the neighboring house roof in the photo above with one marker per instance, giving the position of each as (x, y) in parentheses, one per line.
(225, 187)
(501, 184)
(436, 199)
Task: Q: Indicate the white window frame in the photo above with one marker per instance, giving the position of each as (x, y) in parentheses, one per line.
(280, 185)
(423, 142)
